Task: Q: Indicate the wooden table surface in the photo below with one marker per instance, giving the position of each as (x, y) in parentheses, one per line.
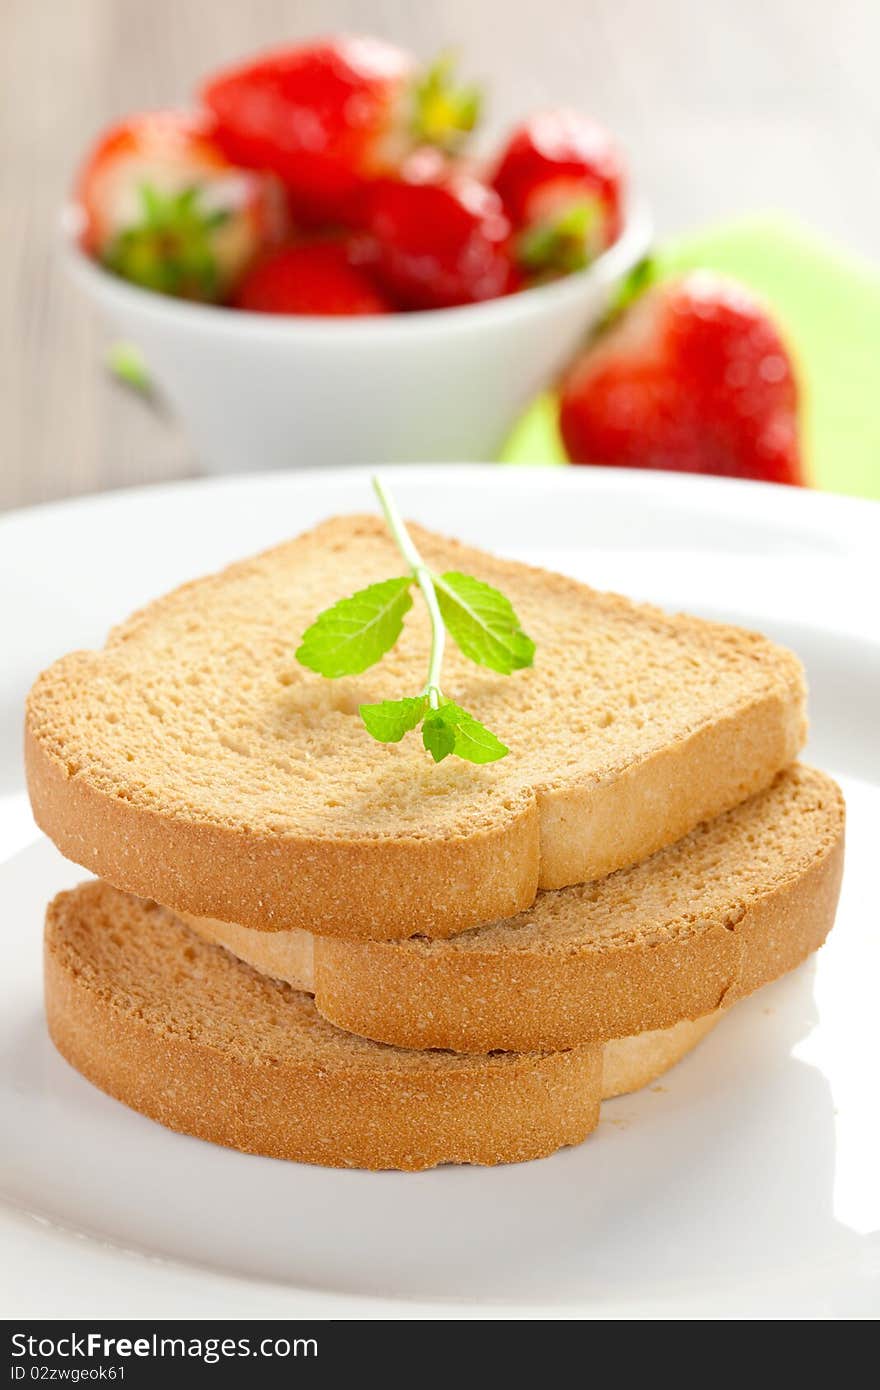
(725, 106)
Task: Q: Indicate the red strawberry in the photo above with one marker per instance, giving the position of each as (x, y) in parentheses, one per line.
(693, 377)
(327, 115)
(437, 236)
(561, 179)
(162, 206)
(312, 278)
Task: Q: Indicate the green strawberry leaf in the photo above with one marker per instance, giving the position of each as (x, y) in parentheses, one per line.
(482, 623)
(171, 247)
(450, 729)
(357, 632)
(154, 205)
(443, 113)
(389, 720)
(565, 243)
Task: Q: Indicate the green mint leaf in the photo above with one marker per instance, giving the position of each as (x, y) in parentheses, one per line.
(450, 729)
(473, 741)
(481, 621)
(438, 736)
(389, 720)
(357, 632)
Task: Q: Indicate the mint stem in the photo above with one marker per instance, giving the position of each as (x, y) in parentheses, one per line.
(404, 542)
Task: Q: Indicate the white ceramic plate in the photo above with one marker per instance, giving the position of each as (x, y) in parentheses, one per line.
(743, 1186)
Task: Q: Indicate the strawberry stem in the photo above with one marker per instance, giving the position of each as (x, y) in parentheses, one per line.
(443, 114)
(171, 249)
(564, 243)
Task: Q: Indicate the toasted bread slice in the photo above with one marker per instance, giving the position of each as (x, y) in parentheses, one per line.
(184, 1033)
(733, 905)
(194, 761)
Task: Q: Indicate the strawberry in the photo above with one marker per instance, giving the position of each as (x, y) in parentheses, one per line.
(693, 377)
(327, 115)
(561, 180)
(310, 278)
(162, 206)
(436, 236)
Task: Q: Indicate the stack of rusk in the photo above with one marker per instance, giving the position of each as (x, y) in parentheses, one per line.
(307, 944)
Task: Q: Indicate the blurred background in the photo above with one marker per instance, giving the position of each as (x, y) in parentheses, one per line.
(729, 107)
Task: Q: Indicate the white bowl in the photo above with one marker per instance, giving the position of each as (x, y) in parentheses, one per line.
(260, 391)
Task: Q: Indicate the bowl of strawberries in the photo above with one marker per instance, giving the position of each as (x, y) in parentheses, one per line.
(318, 270)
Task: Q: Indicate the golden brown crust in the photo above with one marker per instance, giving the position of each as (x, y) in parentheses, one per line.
(538, 1001)
(640, 951)
(324, 1098)
(316, 1098)
(357, 888)
(588, 832)
(567, 807)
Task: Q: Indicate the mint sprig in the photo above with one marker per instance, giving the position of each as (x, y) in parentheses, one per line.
(356, 632)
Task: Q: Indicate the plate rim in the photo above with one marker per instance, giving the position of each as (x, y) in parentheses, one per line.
(774, 499)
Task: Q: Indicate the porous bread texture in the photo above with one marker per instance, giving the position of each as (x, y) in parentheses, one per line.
(185, 1033)
(194, 761)
(733, 905)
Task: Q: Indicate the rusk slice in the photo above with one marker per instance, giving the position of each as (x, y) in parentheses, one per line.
(733, 905)
(188, 1035)
(194, 761)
